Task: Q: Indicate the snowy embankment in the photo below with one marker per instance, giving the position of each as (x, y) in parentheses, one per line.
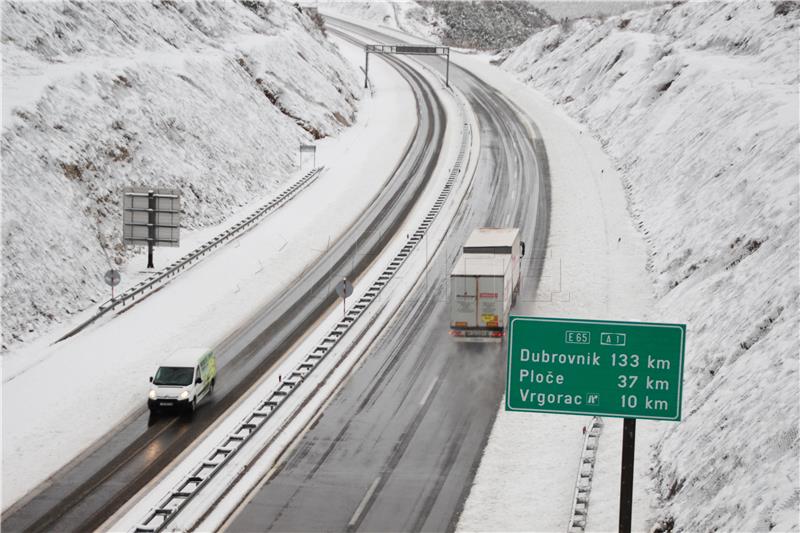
(209, 98)
(202, 306)
(698, 106)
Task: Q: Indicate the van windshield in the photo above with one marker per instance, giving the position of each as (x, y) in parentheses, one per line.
(174, 375)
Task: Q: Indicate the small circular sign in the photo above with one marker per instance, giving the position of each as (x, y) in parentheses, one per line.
(344, 288)
(113, 277)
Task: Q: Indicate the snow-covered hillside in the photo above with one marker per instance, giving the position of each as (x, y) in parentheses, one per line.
(404, 15)
(211, 98)
(698, 105)
(481, 24)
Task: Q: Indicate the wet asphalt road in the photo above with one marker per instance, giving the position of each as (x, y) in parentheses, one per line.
(89, 490)
(398, 446)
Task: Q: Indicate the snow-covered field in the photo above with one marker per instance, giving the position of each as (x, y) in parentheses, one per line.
(108, 364)
(697, 104)
(209, 98)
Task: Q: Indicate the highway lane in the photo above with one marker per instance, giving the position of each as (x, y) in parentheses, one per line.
(398, 446)
(86, 492)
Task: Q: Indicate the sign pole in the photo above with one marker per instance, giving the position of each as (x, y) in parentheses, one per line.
(151, 226)
(626, 481)
(447, 76)
(344, 289)
(366, 67)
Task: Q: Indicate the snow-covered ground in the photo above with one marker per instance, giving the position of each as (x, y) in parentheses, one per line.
(108, 364)
(209, 98)
(697, 104)
(685, 127)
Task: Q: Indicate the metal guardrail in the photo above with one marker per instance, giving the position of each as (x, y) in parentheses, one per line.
(200, 475)
(162, 277)
(583, 484)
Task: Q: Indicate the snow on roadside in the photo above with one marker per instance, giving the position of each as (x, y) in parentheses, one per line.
(211, 98)
(697, 105)
(594, 267)
(108, 364)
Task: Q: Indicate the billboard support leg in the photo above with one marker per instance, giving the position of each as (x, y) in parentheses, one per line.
(151, 227)
(626, 481)
(366, 68)
(447, 75)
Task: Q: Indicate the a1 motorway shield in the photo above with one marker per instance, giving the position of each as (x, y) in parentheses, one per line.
(594, 367)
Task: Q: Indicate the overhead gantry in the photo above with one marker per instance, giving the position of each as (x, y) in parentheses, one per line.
(392, 49)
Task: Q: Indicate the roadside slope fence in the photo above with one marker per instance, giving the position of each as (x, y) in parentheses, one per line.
(199, 476)
(167, 274)
(583, 484)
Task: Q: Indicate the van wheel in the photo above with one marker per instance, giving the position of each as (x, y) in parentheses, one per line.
(194, 405)
(213, 382)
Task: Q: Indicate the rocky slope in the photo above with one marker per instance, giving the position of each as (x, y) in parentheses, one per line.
(211, 98)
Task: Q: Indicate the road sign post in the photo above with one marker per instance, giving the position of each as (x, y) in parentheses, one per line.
(112, 278)
(600, 368)
(344, 289)
(626, 476)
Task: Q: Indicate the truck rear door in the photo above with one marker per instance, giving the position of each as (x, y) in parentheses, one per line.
(463, 301)
(490, 301)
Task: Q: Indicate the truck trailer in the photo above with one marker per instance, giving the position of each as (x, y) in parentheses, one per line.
(485, 282)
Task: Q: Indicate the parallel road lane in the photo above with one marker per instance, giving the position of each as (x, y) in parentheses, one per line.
(397, 448)
(86, 492)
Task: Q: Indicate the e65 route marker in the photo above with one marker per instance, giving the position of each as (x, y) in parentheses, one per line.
(597, 368)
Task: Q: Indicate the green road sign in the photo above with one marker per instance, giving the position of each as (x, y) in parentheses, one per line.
(595, 367)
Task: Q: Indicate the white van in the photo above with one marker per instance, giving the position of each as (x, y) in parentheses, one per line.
(183, 380)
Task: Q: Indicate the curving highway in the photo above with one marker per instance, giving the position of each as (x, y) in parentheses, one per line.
(398, 446)
(89, 490)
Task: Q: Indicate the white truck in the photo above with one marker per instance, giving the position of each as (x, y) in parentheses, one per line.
(485, 282)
